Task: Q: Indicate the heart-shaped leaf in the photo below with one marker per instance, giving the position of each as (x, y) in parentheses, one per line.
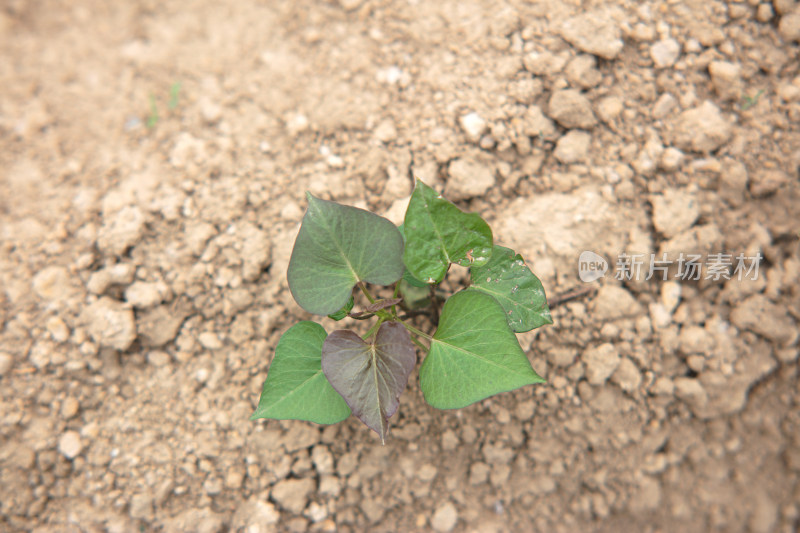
(438, 233)
(473, 354)
(414, 296)
(408, 277)
(344, 311)
(337, 247)
(519, 291)
(296, 388)
(370, 377)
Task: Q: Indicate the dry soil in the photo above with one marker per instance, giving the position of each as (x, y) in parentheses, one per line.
(154, 161)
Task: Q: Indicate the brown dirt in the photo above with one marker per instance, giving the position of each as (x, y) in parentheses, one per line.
(142, 269)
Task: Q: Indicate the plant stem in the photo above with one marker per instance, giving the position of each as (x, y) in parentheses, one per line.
(415, 331)
(434, 304)
(366, 292)
(396, 292)
(372, 330)
(419, 344)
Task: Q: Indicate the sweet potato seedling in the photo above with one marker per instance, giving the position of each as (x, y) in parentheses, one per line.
(473, 353)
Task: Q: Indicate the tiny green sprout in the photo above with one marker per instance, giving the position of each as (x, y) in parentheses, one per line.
(750, 101)
(473, 352)
(172, 104)
(174, 94)
(152, 119)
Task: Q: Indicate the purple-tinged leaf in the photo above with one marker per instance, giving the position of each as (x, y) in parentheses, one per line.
(370, 377)
(377, 306)
(382, 304)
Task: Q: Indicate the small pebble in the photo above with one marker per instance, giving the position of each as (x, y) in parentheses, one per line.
(292, 494)
(594, 32)
(764, 13)
(121, 273)
(789, 27)
(316, 512)
(6, 363)
(426, 472)
(209, 340)
(296, 123)
(98, 282)
(141, 506)
(234, 478)
(70, 444)
(601, 361)
(670, 295)
(473, 125)
(212, 485)
(571, 109)
(674, 211)
(386, 131)
(573, 147)
(142, 294)
(445, 517)
(691, 391)
(291, 211)
(54, 284)
(468, 178)
(58, 329)
(643, 32)
(671, 159)
(211, 111)
(70, 407)
(701, 129)
(627, 375)
(665, 104)
(121, 230)
(110, 323)
(764, 182)
(609, 108)
(322, 458)
(726, 77)
(665, 52)
(349, 5)
(158, 358)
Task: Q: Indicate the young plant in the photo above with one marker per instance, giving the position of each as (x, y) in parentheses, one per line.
(473, 353)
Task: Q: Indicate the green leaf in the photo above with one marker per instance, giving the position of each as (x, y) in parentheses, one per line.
(473, 354)
(409, 278)
(296, 388)
(370, 377)
(519, 291)
(414, 297)
(439, 233)
(341, 313)
(337, 247)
